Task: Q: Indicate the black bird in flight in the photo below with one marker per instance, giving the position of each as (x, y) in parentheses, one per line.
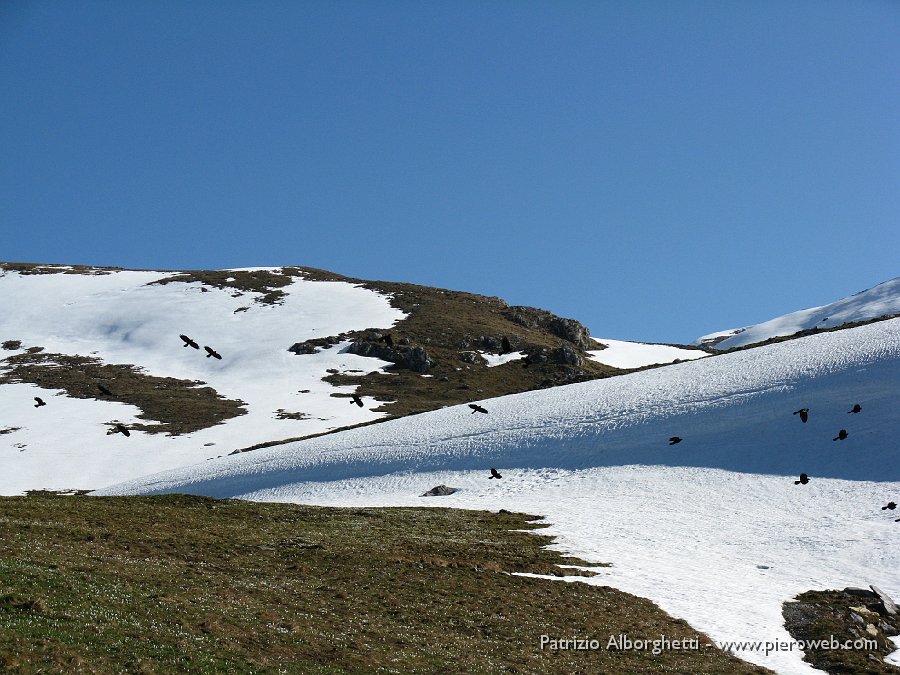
(506, 348)
(890, 505)
(674, 440)
(804, 414)
(855, 409)
(387, 339)
(212, 352)
(495, 473)
(804, 479)
(119, 429)
(842, 434)
(39, 403)
(357, 400)
(104, 390)
(477, 408)
(188, 342)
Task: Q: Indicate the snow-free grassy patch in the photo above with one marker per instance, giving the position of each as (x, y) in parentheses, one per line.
(168, 404)
(190, 584)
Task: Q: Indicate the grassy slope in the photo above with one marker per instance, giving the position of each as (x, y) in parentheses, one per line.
(189, 584)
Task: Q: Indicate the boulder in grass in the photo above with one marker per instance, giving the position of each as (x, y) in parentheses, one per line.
(440, 491)
(889, 605)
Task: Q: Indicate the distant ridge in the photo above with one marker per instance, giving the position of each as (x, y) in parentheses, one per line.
(879, 301)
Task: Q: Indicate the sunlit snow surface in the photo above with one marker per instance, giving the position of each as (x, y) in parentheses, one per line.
(713, 529)
(623, 354)
(123, 318)
(499, 359)
(881, 300)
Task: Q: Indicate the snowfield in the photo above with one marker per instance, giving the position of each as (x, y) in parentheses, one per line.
(881, 300)
(123, 318)
(713, 529)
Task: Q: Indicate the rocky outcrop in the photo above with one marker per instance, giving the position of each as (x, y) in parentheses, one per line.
(314, 345)
(407, 356)
(489, 343)
(472, 357)
(567, 329)
(566, 354)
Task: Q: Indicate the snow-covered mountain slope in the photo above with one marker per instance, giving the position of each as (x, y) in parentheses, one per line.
(123, 317)
(625, 355)
(882, 300)
(713, 528)
(103, 346)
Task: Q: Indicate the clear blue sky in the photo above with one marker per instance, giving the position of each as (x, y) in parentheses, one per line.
(658, 170)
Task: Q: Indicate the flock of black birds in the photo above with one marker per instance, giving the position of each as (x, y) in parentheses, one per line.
(803, 413)
(842, 435)
(506, 348)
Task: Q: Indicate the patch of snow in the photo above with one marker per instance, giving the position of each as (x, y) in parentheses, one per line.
(622, 354)
(499, 359)
(894, 657)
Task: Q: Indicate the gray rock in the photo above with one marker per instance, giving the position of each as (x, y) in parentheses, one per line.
(472, 357)
(566, 354)
(889, 606)
(439, 491)
(860, 592)
(416, 359)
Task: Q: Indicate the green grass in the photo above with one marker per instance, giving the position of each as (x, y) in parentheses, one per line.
(188, 584)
